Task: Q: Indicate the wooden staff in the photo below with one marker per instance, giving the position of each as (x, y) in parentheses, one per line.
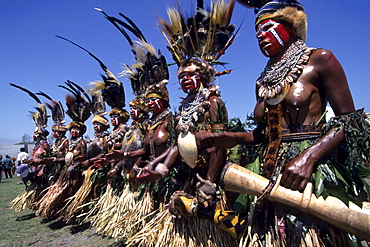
(352, 218)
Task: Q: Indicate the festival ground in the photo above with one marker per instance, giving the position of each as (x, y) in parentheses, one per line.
(25, 229)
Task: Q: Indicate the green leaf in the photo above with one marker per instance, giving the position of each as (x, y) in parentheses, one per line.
(337, 192)
(363, 170)
(255, 166)
(319, 182)
(304, 145)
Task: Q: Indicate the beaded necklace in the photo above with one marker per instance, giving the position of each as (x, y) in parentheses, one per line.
(153, 123)
(277, 78)
(59, 144)
(73, 143)
(116, 135)
(191, 106)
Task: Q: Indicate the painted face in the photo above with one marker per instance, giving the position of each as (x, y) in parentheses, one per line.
(135, 113)
(272, 37)
(98, 127)
(189, 82)
(35, 137)
(156, 105)
(116, 120)
(75, 132)
(56, 134)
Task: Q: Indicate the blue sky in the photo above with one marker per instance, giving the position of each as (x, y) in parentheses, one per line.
(31, 55)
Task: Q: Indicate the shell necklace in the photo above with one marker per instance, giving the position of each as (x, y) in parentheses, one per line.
(190, 107)
(274, 83)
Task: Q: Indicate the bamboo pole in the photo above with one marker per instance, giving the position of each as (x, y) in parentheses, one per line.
(352, 219)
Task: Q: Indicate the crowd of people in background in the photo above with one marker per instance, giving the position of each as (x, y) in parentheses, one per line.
(14, 167)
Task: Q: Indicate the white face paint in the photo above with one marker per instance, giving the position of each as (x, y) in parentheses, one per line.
(156, 105)
(115, 120)
(190, 83)
(273, 37)
(271, 26)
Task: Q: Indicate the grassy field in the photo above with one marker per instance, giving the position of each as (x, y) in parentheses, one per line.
(25, 229)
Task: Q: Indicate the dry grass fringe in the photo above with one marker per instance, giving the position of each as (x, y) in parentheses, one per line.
(137, 217)
(23, 201)
(165, 231)
(74, 203)
(110, 209)
(49, 204)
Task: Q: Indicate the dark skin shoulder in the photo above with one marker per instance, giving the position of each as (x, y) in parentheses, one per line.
(322, 80)
(333, 88)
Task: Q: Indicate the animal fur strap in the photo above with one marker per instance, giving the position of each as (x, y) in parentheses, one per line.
(275, 116)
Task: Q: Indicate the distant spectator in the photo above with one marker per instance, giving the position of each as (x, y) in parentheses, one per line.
(22, 168)
(7, 166)
(13, 169)
(1, 167)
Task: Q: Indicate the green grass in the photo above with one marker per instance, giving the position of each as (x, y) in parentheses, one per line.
(25, 229)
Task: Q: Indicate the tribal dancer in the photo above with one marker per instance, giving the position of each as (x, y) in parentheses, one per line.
(59, 150)
(137, 146)
(94, 176)
(60, 146)
(70, 180)
(292, 94)
(41, 150)
(195, 49)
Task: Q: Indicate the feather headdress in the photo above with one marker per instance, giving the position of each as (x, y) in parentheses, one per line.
(291, 11)
(98, 108)
(256, 4)
(205, 35)
(150, 67)
(112, 89)
(78, 105)
(57, 113)
(40, 117)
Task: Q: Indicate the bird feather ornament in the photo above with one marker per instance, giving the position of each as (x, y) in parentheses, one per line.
(98, 105)
(27, 91)
(112, 90)
(78, 103)
(150, 66)
(56, 108)
(40, 117)
(203, 35)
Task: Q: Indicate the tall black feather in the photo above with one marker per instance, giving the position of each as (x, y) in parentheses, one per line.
(80, 89)
(56, 108)
(45, 95)
(113, 93)
(133, 28)
(154, 69)
(102, 65)
(27, 91)
(79, 109)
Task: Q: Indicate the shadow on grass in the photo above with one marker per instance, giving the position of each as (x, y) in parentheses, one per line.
(26, 217)
(57, 225)
(80, 228)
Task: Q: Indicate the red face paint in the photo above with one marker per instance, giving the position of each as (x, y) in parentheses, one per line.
(189, 82)
(75, 132)
(98, 127)
(156, 105)
(56, 134)
(272, 37)
(135, 113)
(116, 120)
